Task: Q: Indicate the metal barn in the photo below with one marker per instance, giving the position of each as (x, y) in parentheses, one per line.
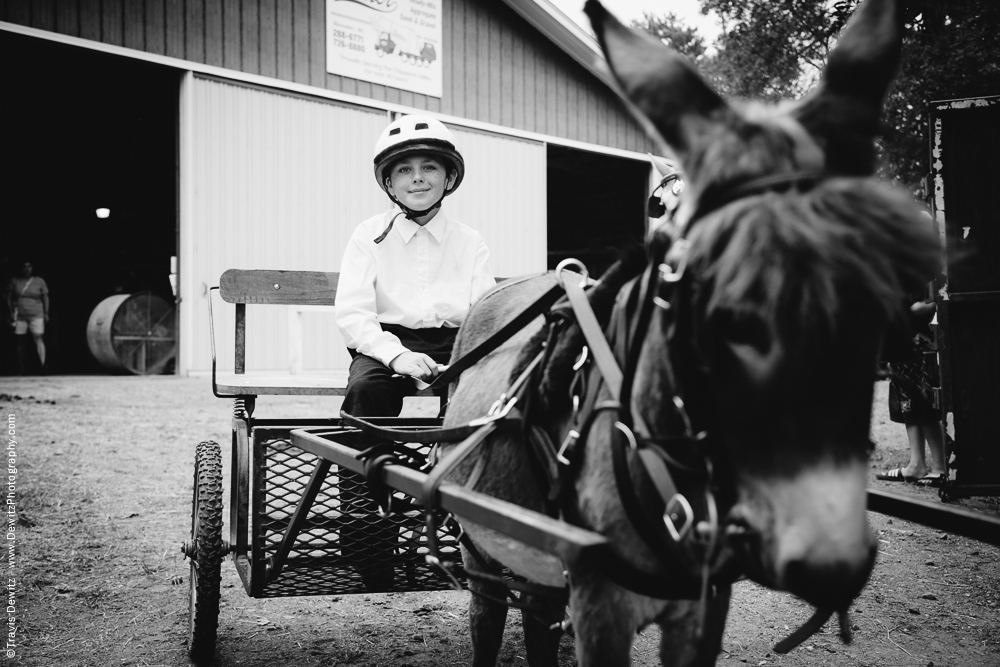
(239, 135)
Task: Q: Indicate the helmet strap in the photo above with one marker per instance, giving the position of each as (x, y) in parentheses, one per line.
(409, 212)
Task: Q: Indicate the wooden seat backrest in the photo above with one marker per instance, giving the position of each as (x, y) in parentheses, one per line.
(291, 288)
(273, 287)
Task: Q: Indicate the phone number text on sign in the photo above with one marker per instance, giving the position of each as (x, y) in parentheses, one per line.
(345, 39)
(396, 43)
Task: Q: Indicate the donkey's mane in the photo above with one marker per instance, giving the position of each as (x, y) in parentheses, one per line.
(797, 258)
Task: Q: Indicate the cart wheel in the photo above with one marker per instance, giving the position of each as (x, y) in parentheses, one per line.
(206, 552)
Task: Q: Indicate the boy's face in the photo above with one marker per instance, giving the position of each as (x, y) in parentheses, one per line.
(419, 181)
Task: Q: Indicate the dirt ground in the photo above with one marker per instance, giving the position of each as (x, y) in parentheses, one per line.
(104, 487)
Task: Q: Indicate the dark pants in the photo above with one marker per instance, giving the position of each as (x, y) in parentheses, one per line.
(371, 389)
(368, 542)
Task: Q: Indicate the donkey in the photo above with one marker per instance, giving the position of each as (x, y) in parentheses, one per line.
(736, 442)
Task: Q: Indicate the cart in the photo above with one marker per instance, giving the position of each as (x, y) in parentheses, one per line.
(302, 518)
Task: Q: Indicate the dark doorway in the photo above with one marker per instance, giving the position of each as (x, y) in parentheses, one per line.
(596, 205)
(84, 130)
(964, 168)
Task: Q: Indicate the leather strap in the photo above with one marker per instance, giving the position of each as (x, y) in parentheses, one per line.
(429, 489)
(651, 585)
(539, 307)
(426, 437)
(804, 632)
(726, 193)
(600, 350)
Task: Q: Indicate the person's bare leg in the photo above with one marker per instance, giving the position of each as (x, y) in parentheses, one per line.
(934, 433)
(20, 347)
(40, 346)
(917, 467)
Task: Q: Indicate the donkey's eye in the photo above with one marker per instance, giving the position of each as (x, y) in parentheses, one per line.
(743, 328)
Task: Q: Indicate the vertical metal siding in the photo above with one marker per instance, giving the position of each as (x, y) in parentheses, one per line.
(275, 182)
(503, 196)
(497, 68)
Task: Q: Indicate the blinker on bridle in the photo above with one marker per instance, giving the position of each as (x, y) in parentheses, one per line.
(655, 207)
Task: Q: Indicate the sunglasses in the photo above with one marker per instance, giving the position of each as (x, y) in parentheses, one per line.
(655, 207)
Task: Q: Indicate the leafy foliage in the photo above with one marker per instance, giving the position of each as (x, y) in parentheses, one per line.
(671, 31)
(775, 49)
(951, 50)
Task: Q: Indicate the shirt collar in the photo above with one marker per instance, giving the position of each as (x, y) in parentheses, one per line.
(407, 228)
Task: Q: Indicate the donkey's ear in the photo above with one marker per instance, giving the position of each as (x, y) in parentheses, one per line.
(660, 83)
(843, 112)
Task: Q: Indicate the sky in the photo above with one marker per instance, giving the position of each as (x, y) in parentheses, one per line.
(627, 10)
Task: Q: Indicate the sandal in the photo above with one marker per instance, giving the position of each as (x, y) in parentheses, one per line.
(934, 480)
(895, 475)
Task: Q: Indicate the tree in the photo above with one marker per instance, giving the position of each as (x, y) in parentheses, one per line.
(775, 49)
(671, 31)
(950, 51)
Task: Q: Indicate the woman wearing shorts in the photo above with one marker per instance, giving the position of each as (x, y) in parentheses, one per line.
(28, 303)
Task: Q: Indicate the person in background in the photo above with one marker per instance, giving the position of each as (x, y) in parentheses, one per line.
(910, 368)
(908, 406)
(28, 305)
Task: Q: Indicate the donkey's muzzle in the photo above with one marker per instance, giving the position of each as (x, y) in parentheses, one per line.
(828, 585)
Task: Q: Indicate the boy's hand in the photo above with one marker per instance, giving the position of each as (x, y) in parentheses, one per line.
(415, 365)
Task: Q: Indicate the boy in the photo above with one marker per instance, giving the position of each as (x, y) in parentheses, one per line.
(409, 275)
(407, 281)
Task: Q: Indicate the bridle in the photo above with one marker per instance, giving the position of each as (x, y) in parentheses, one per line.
(689, 537)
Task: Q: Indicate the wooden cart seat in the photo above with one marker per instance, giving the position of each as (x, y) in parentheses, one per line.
(288, 288)
(282, 384)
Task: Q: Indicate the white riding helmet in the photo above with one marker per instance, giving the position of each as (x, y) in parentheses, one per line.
(417, 134)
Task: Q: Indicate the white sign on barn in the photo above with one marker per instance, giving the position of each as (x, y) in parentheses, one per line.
(392, 42)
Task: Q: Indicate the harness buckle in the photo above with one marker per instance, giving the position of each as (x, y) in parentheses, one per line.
(568, 442)
(679, 404)
(434, 561)
(496, 412)
(669, 274)
(386, 512)
(627, 432)
(497, 405)
(565, 266)
(677, 506)
(662, 303)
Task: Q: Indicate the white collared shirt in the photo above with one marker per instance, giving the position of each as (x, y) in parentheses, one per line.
(417, 277)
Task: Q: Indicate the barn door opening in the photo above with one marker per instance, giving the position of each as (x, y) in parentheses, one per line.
(86, 130)
(965, 140)
(596, 205)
